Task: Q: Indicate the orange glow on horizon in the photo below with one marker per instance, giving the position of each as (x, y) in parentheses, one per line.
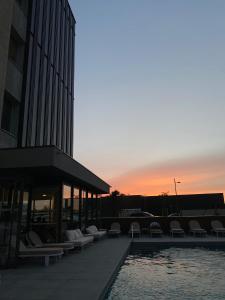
(203, 175)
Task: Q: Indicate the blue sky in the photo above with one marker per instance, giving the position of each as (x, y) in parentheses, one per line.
(150, 92)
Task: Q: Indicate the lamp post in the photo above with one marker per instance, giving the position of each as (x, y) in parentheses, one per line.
(175, 185)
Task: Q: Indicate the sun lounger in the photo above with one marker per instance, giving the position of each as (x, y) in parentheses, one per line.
(218, 228)
(135, 229)
(78, 239)
(175, 229)
(196, 229)
(35, 240)
(32, 252)
(115, 229)
(97, 234)
(155, 229)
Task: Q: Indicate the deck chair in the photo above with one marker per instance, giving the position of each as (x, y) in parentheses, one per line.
(155, 229)
(34, 239)
(218, 228)
(135, 229)
(196, 229)
(45, 253)
(96, 233)
(175, 229)
(114, 229)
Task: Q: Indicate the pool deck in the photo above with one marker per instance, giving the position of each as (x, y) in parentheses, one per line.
(83, 275)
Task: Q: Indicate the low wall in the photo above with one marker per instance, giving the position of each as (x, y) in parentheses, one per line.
(205, 222)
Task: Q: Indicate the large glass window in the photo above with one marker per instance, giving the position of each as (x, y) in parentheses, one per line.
(16, 49)
(43, 206)
(67, 203)
(89, 207)
(76, 205)
(9, 205)
(82, 209)
(10, 114)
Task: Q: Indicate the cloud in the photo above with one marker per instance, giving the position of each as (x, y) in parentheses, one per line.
(200, 174)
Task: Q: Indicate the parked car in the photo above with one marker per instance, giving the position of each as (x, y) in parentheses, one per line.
(174, 215)
(142, 214)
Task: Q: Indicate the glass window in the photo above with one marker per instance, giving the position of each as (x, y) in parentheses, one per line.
(10, 114)
(25, 207)
(16, 49)
(9, 204)
(43, 206)
(66, 205)
(76, 205)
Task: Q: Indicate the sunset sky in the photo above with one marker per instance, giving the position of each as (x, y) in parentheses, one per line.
(150, 94)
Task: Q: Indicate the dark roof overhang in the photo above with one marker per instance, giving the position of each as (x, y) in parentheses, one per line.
(49, 163)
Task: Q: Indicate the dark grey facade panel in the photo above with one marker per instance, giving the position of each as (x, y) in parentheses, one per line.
(33, 12)
(64, 116)
(68, 137)
(57, 36)
(46, 27)
(71, 122)
(49, 82)
(23, 133)
(35, 101)
(59, 116)
(72, 63)
(40, 21)
(54, 109)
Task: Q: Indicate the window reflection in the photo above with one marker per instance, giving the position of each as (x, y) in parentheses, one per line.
(76, 205)
(43, 206)
(66, 205)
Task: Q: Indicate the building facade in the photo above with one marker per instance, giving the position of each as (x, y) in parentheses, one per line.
(41, 186)
(38, 94)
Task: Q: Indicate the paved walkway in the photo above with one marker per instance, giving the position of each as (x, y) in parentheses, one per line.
(79, 276)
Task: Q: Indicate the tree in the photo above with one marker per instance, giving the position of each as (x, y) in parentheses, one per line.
(164, 194)
(115, 193)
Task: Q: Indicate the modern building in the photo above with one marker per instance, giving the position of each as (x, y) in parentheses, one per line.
(41, 185)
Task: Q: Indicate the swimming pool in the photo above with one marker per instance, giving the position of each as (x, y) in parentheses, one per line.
(173, 273)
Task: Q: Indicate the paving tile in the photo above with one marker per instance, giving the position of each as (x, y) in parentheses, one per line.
(77, 276)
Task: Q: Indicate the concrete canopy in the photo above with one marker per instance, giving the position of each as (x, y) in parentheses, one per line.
(49, 161)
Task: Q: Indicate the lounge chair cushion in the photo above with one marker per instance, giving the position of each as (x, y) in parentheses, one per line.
(135, 228)
(70, 234)
(217, 226)
(76, 234)
(79, 233)
(196, 228)
(115, 229)
(97, 234)
(91, 229)
(155, 225)
(78, 241)
(82, 241)
(36, 241)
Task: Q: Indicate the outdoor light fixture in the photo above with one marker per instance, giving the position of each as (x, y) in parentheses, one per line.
(44, 195)
(175, 185)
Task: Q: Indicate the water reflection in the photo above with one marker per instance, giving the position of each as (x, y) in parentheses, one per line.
(181, 273)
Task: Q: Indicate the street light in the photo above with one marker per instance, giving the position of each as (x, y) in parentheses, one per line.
(175, 185)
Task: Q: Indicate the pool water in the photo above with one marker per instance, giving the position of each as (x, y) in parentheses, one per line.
(173, 273)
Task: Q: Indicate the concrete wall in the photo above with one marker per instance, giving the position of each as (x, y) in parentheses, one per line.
(6, 15)
(159, 205)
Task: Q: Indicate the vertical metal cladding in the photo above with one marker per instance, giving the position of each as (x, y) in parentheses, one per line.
(48, 97)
